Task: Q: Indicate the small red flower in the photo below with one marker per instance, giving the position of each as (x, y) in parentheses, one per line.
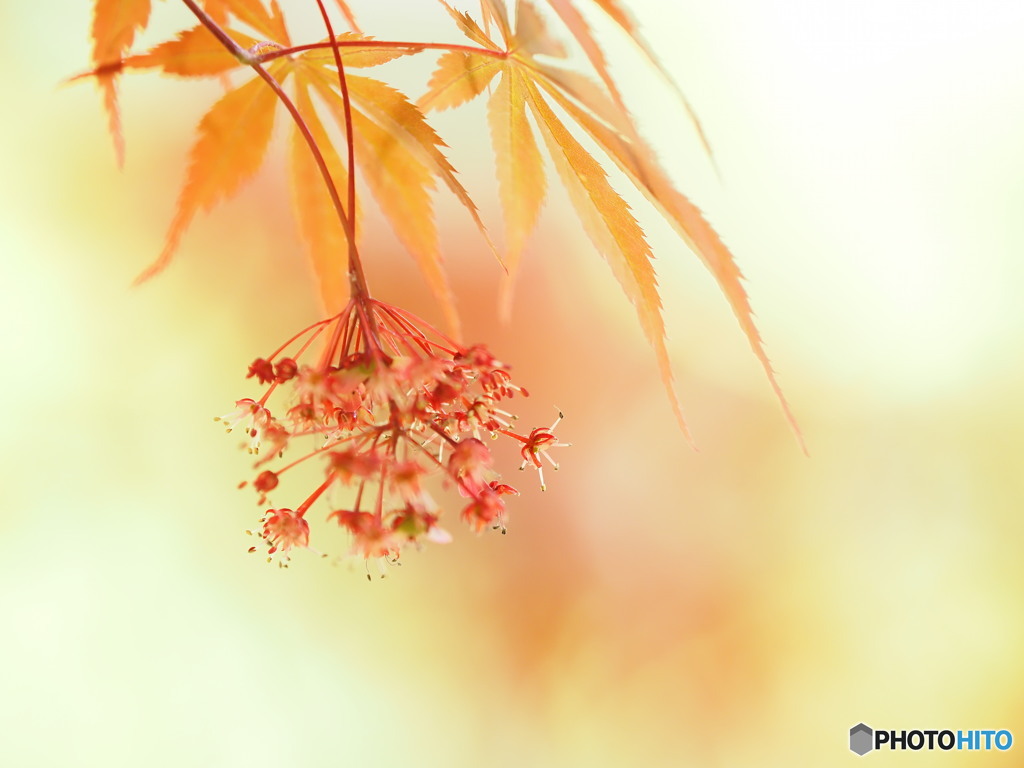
(350, 464)
(370, 537)
(285, 370)
(536, 446)
(266, 482)
(405, 481)
(486, 510)
(283, 530)
(415, 524)
(252, 417)
(262, 369)
(470, 460)
(501, 489)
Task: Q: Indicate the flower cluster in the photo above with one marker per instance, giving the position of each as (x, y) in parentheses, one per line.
(389, 402)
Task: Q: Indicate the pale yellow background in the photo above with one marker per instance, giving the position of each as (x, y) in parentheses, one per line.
(737, 606)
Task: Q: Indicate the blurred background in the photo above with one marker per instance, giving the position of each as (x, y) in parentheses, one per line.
(742, 605)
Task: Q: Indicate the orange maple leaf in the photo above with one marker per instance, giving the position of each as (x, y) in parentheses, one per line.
(114, 25)
(529, 82)
(402, 158)
(399, 154)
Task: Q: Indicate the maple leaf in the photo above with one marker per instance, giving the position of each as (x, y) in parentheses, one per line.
(233, 138)
(528, 83)
(621, 17)
(521, 183)
(117, 22)
(459, 77)
(270, 24)
(613, 229)
(580, 30)
(637, 162)
(399, 154)
(349, 16)
(234, 134)
(114, 25)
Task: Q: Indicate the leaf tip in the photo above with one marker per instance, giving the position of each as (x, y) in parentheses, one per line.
(793, 425)
(505, 302)
(677, 409)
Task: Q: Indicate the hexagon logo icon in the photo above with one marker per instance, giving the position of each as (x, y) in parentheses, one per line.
(861, 739)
